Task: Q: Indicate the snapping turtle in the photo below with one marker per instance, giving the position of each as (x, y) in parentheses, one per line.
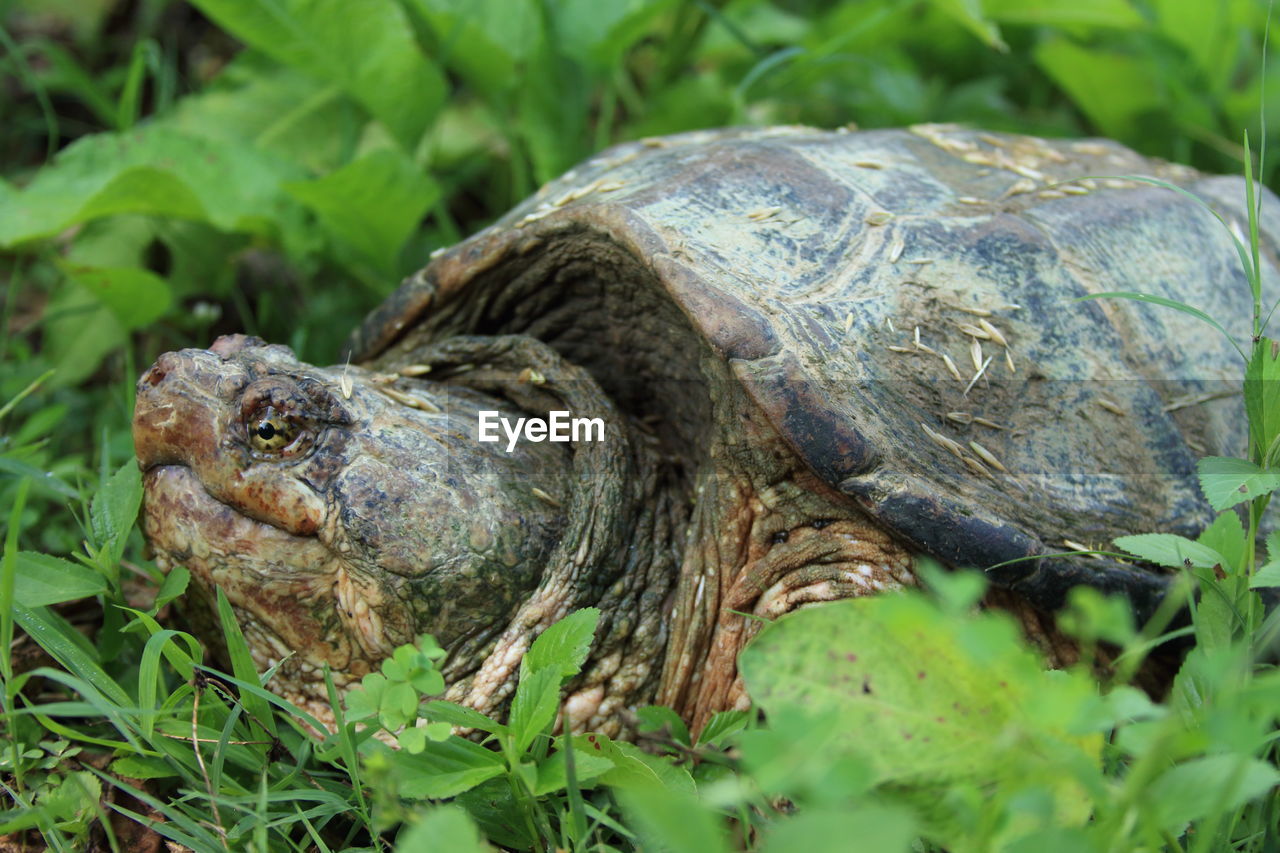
(716, 373)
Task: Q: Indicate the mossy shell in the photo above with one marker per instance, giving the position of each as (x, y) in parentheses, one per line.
(807, 260)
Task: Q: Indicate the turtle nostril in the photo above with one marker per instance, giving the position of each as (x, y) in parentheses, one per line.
(155, 375)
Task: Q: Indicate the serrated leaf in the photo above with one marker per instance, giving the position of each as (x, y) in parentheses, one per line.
(633, 767)
(1226, 536)
(1168, 549)
(44, 579)
(115, 508)
(564, 646)
(1227, 481)
(534, 706)
(444, 769)
(1213, 784)
(460, 715)
(367, 49)
(587, 765)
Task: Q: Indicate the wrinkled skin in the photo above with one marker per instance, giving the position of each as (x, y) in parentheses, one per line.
(376, 520)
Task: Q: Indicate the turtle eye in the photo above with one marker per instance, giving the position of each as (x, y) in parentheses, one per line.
(274, 433)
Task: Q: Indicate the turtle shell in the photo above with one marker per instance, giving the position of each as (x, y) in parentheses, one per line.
(904, 308)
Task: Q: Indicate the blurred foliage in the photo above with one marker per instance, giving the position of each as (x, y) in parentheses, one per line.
(170, 171)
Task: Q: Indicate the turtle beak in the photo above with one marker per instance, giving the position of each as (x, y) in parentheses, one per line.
(172, 417)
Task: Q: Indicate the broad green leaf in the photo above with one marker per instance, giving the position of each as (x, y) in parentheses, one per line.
(153, 170)
(1262, 396)
(1201, 29)
(1168, 549)
(1118, 14)
(79, 331)
(564, 646)
(45, 579)
(136, 297)
(598, 32)
(482, 40)
(371, 205)
(834, 830)
(633, 767)
(928, 697)
(721, 725)
(1112, 89)
(1092, 616)
(1204, 786)
(115, 507)
(669, 820)
(535, 704)
(365, 48)
(444, 769)
(928, 694)
(1226, 536)
(587, 765)
(1227, 481)
(969, 14)
(654, 718)
(398, 706)
(460, 715)
(447, 827)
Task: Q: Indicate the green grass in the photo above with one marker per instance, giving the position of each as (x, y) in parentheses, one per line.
(161, 184)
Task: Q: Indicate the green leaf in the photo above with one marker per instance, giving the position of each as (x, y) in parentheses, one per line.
(1112, 89)
(242, 666)
(136, 297)
(115, 508)
(928, 696)
(1227, 481)
(399, 705)
(1262, 397)
(444, 769)
(371, 205)
(1214, 784)
(44, 579)
(142, 767)
(446, 827)
(534, 706)
(832, 830)
(1167, 549)
(635, 768)
(721, 725)
(482, 40)
(668, 820)
(969, 14)
(174, 585)
(367, 49)
(460, 715)
(564, 646)
(587, 765)
(1118, 14)
(155, 170)
(653, 718)
(1226, 536)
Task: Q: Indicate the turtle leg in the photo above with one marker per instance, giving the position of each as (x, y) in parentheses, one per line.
(755, 553)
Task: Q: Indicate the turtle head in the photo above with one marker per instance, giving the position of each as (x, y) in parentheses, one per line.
(341, 511)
